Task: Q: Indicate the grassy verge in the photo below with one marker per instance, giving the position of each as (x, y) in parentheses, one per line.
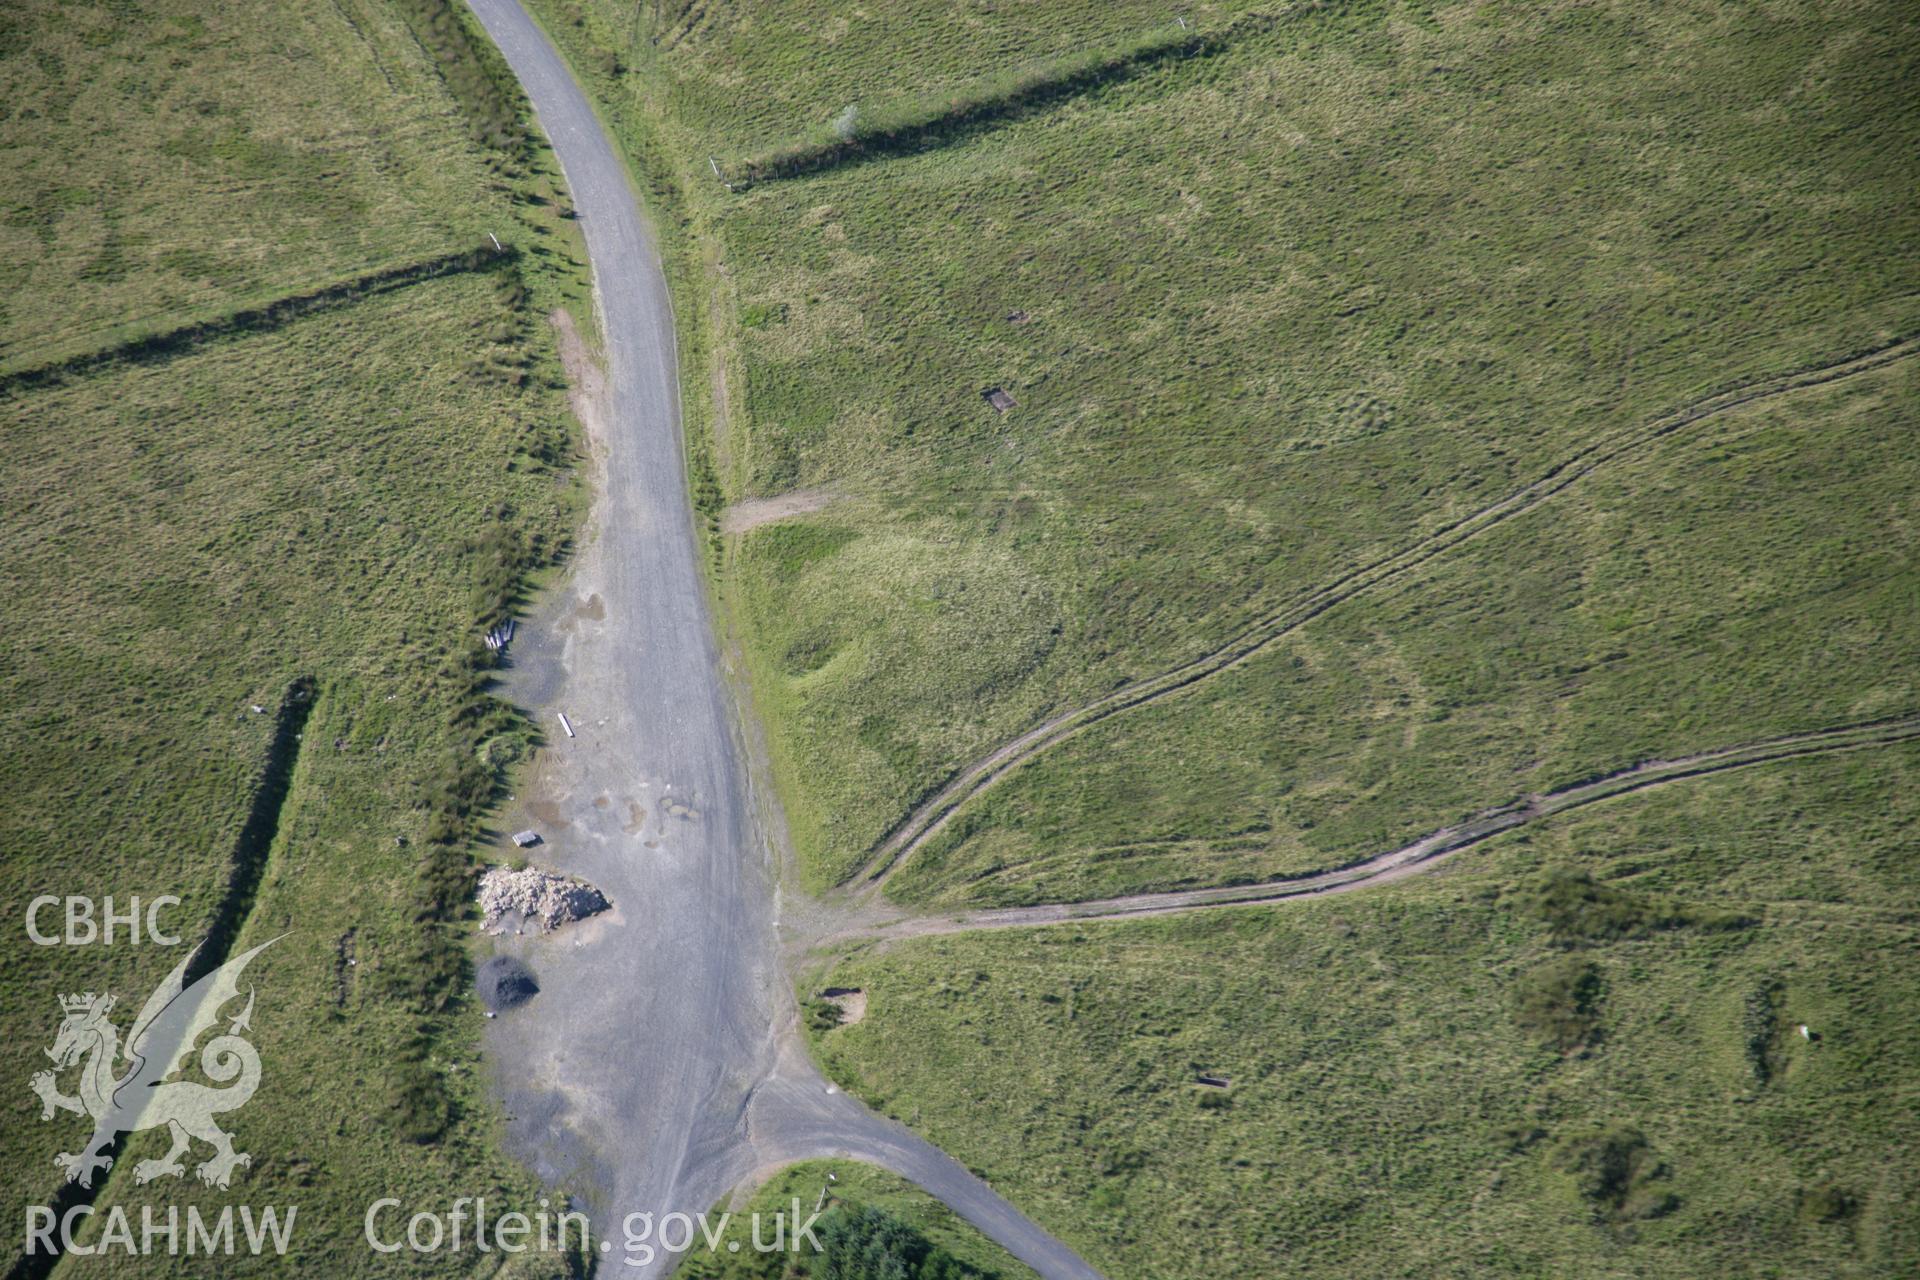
(597, 41)
(1575, 1053)
(475, 74)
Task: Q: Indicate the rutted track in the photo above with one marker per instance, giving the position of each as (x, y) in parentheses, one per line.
(1423, 854)
(933, 814)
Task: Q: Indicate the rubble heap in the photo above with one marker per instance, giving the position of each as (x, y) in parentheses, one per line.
(511, 898)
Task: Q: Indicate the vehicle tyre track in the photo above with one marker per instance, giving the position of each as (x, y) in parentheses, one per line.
(1420, 856)
(932, 815)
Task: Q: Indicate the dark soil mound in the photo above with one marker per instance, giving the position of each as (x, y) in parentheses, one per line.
(505, 983)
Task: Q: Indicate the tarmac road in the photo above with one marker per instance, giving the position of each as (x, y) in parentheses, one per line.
(661, 1064)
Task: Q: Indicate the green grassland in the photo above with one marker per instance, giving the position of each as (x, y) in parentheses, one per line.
(209, 501)
(1283, 306)
(1273, 305)
(852, 1185)
(1499, 1070)
(169, 162)
(1748, 578)
(194, 536)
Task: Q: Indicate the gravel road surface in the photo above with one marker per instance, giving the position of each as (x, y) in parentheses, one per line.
(660, 1065)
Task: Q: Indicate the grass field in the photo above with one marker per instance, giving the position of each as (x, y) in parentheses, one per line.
(1748, 579)
(1403, 1099)
(749, 80)
(1266, 313)
(197, 535)
(1273, 302)
(232, 155)
(334, 497)
(1271, 299)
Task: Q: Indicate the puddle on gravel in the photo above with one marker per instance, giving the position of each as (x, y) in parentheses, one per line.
(548, 812)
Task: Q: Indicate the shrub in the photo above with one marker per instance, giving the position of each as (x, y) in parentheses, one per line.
(1826, 1203)
(861, 1243)
(475, 75)
(822, 1015)
(1760, 1027)
(1616, 1171)
(1580, 911)
(420, 1101)
(1559, 1002)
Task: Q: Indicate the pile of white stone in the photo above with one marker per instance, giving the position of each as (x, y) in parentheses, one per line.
(510, 899)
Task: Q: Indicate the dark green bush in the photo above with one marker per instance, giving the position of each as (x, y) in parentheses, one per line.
(1581, 911)
(1559, 1002)
(474, 74)
(822, 1015)
(1826, 1203)
(1617, 1172)
(1760, 1028)
(421, 1108)
(860, 1243)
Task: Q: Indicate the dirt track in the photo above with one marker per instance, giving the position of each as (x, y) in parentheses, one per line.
(754, 512)
(932, 815)
(1422, 855)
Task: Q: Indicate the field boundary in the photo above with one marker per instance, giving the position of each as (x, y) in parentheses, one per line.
(159, 347)
(969, 112)
(250, 850)
(475, 75)
(931, 816)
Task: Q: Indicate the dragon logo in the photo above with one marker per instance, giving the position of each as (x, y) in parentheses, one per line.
(174, 1018)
